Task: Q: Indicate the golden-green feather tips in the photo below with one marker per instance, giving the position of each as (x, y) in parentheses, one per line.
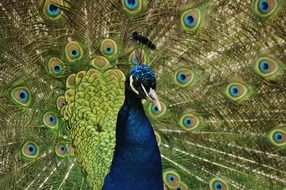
(218, 184)
(100, 63)
(277, 137)
(238, 91)
(133, 7)
(61, 102)
(30, 150)
(171, 178)
(73, 51)
(269, 67)
(22, 96)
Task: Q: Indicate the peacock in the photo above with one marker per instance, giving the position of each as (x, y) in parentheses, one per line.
(78, 81)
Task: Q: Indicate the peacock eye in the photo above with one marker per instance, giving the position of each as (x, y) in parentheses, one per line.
(21, 95)
(55, 67)
(171, 178)
(50, 120)
(269, 68)
(265, 8)
(264, 66)
(184, 77)
(182, 186)
(53, 10)
(61, 149)
(153, 110)
(218, 184)
(237, 91)
(278, 137)
(131, 4)
(73, 51)
(30, 150)
(108, 48)
(133, 7)
(191, 20)
(189, 122)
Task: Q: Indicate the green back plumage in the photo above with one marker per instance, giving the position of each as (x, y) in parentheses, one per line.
(220, 77)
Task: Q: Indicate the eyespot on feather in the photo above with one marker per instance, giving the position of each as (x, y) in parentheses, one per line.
(61, 150)
(55, 67)
(171, 178)
(218, 184)
(22, 96)
(277, 137)
(52, 9)
(73, 51)
(265, 8)
(269, 67)
(108, 48)
(238, 91)
(191, 19)
(50, 120)
(189, 122)
(30, 150)
(133, 7)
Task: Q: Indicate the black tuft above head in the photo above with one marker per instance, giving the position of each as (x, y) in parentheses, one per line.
(144, 40)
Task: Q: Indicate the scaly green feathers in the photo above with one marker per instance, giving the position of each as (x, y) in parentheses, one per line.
(93, 101)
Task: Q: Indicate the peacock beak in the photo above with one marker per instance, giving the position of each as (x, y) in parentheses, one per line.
(153, 97)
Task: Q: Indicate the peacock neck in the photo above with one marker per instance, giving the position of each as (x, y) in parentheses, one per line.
(133, 101)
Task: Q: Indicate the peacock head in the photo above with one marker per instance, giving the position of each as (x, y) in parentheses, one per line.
(141, 81)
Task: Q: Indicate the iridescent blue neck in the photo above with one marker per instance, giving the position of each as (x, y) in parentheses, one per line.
(136, 153)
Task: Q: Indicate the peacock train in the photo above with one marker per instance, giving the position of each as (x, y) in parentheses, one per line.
(143, 94)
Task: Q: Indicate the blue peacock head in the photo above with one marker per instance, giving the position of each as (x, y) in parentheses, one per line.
(141, 81)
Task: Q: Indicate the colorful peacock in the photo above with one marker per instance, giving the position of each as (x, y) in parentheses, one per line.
(74, 72)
